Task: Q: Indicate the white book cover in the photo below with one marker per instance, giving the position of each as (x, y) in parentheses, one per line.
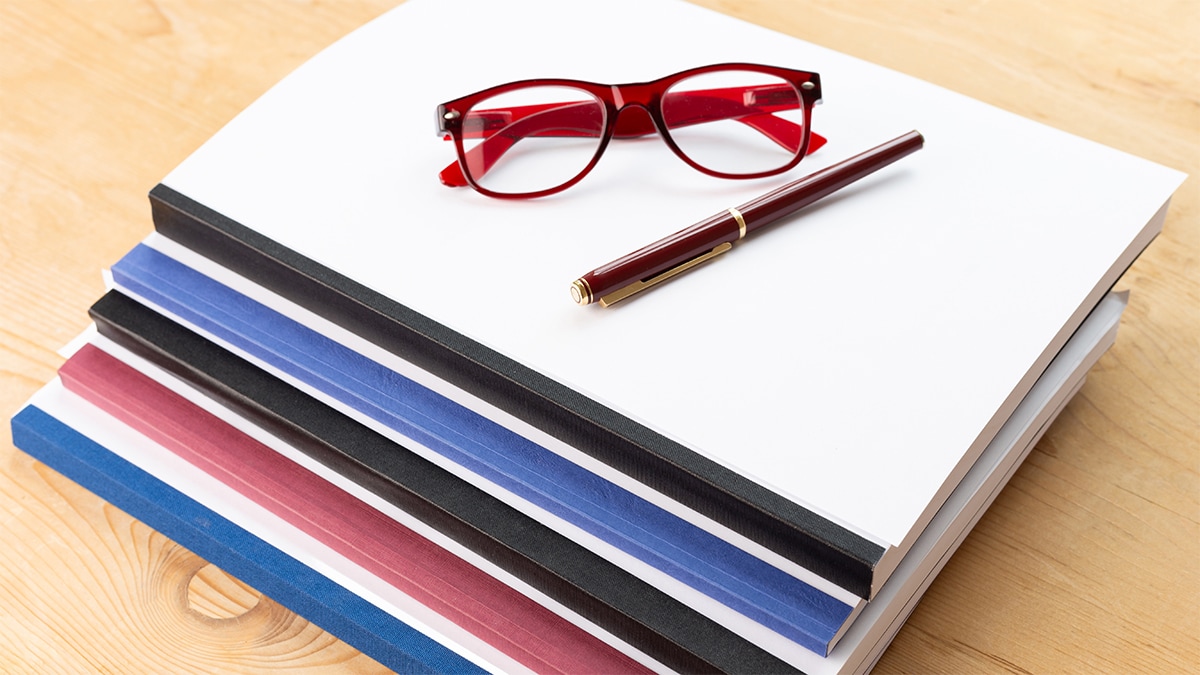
(854, 360)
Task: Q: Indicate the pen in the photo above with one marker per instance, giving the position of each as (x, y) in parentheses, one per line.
(689, 247)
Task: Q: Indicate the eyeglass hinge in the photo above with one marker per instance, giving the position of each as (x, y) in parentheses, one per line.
(444, 116)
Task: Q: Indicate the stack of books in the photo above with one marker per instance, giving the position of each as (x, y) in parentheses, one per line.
(370, 396)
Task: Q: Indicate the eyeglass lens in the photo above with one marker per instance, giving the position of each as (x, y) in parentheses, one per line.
(531, 139)
(733, 122)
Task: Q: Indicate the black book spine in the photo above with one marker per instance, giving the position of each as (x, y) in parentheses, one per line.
(586, 583)
(707, 487)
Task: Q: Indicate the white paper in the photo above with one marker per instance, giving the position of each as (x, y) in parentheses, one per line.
(856, 358)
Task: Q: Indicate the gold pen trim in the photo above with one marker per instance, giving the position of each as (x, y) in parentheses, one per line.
(737, 215)
(581, 292)
(637, 286)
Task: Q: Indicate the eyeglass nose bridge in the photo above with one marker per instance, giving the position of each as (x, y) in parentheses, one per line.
(642, 95)
(637, 110)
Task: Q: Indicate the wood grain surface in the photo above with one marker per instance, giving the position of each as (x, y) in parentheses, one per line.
(1087, 562)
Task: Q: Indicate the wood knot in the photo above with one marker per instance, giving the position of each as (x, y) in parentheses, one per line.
(215, 594)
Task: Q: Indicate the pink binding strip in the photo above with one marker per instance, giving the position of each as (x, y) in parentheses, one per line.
(486, 607)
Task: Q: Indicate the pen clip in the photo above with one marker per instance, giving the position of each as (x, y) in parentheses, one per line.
(637, 286)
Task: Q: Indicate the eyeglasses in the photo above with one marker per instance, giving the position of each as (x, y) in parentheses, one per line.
(537, 137)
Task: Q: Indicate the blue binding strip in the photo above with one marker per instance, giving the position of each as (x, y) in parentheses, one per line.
(695, 557)
(272, 572)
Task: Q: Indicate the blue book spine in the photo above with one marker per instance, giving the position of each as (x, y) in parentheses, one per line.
(695, 557)
(281, 577)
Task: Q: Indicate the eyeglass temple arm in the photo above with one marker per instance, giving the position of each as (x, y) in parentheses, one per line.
(751, 106)
(452, 175)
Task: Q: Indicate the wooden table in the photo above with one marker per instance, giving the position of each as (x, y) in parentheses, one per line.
(1088, 561)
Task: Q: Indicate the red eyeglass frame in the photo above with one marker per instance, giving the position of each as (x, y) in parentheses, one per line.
(646, 96)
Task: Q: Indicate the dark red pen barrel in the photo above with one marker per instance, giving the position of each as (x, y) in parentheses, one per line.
(794, 196)
(662, 255)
